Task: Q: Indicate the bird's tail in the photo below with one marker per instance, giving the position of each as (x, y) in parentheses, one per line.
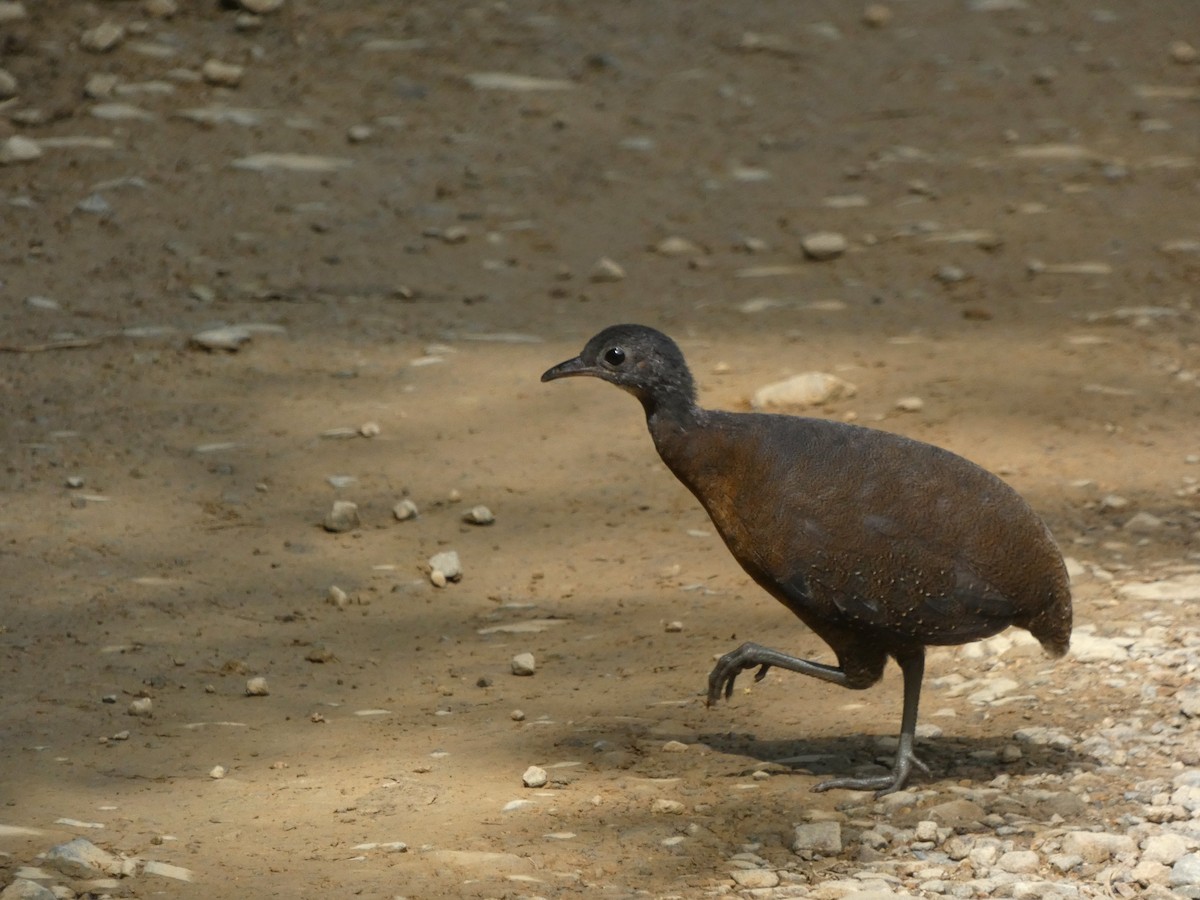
(1052, 625)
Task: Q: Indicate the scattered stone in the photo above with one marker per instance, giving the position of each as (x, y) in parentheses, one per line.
(479, 515)
(217, 772)
(951, 275)
(523, 664)
(80, 858)
(1019, 862)
(359, 134)
(505, 81)
(673, 627)
(606, 271)
(755, 878)
(370, 429)
(141, 706)
(166, 870)
(291, 162)
(1143, 522)
(342, 517)
(261, 7)
(674, 747)
(517, 715)
(1186, 871)
(337, 597)
(876, 15)
(222, 74)
(25, 889)
(1184, 53)
(161, 9)
(18, 149)
(319, 653)
(666, 807)
(824, 837)
(1166, 848)
(535, 777)
(438, 578)
(1090, 648)
(910, 404)
(961, 815)
(11, 11)
(224, 337)
(447, 564)
(823, 245)
(257, 687)
(9, 86)
(677, 246)
(1097, 846)
(805, 389)
(405, 510)
(103, 38)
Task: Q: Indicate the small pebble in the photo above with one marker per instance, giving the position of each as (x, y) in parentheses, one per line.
(369, 429)
(479, 515)
(256, 687)
(358, 134)
(216, 772)
(342, 517)
(910, 404)
(18, 149)
(674, 747)
(607, 271)
(448, 564)
(673, 627)
(666, 807)
(142, 706)
(337, 597)
(222, 74)
(523, 664)
(9, 86)
(517, 715)
(876, 15)
(319, 653)
(438, 578)
(404, 510)
(534, 777)
(103, 38)
(74, 482)
(1184, 53)
(823, 245)
(261, 7)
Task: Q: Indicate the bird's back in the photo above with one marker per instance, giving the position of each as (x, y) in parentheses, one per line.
(861, 530)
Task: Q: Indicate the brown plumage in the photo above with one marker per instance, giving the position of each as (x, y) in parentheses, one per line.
(882, 545)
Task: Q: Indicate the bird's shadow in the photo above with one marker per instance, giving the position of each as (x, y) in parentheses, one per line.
(976, 760)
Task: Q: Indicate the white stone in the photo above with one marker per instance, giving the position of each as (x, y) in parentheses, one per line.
(666, 807)
(805, 389)
(817, 837)
(8, 84)
(1096, 846)
(142, 706)
(342, 517)
(11, 11)
(1095, 648)
(1186, 870)
(103, 38)
(405, 510)
(261, 7)
(337, 597)
(166, 870)
(523, 664)
(535, 777)
(25, 889)
(507, 81)
(606, 271)
(755, 878)
(448, 563)
(823, 245)
(1143, 522)
(224, 337)
(1019, 862)
(676, 246)
(1165, 848)
(18, 149)
(479, 515)
(217, 772)
(910, 404)
(291, 162)
(257, 687)
(222, 74)
(80, 858)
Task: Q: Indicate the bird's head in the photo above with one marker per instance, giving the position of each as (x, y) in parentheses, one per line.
(637, 359)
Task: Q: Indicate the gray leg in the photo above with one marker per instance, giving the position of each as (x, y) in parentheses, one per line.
(913, 666)
(747, 656)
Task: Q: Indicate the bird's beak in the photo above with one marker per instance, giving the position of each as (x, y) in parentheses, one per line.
(574, 366)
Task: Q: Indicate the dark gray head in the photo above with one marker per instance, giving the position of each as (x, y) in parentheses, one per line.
(640, 360)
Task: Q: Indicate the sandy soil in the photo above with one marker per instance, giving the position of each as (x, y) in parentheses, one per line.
(967, 156)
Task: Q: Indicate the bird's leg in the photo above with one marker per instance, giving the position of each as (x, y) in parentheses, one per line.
(913, 666)
(747, 656)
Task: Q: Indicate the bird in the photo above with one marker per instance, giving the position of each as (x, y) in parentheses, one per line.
(881, 544)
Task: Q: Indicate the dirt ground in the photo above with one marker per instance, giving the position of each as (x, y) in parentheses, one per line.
(1018, 188)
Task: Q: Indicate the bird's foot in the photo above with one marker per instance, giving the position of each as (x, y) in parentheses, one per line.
(882, 785)
(732, 664)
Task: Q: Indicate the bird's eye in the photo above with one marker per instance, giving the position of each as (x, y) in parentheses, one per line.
(614, 356)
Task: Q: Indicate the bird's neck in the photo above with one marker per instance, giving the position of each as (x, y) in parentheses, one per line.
(671, 414)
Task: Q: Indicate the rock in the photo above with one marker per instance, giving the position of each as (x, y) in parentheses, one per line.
(17, 149)
(261, 7)
(342, 517)
(217, 772)
(24, 889)
(11, 11)
(337, 597)
(8, 84)
(100, 85)
(534, 777)
(358, 134)
(479, 515)
(370, 429)
(161, 9)
(257, 687)
(805, 389)
(1189, 702)
(142, 706)
(1097, 846)
(876, 15)
(405, 510)
(961, 815)
(755, 878)
(523, 664)
(673, 627)
(1143, 522)
(448, 563)
(438, 578)
(817, 837)
(1089, 648)
(80, 858)
(666, 807)
(222, 74)
(674, 747)
(224, 337)
(319, 653)
(1166, 848)
(1186, 870)
(103, 38)
(910, 404)
(676, 246)
(505, 81)
(823, 245)
(1019, 862)
(606, 271)
(166, 870)
(1183, 53)
(291, 162)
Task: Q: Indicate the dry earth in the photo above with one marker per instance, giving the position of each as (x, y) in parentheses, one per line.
(1018, 186)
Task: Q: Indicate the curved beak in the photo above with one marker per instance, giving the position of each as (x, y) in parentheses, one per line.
(574, 366)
